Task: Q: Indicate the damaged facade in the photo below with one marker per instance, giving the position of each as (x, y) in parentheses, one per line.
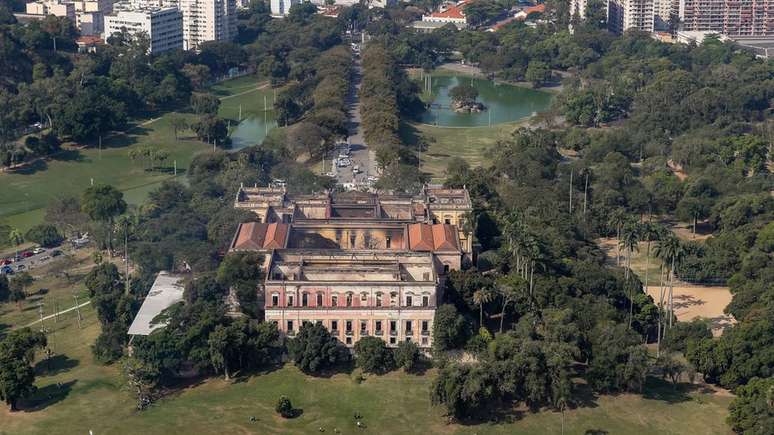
(360, 263)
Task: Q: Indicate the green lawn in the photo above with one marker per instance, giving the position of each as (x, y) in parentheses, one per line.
(470, 143)
(26, 192)
(92, 397)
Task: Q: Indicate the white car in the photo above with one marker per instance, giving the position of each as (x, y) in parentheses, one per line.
(38, 250)
(356, 169)
(344, 163)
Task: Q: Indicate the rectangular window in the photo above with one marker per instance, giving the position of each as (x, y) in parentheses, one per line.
(290, 326)
(388, 242)
(349, 299)
(447, 221)
(425, 301)
(379, 326)
(334, 325)
(392, 340)
(425, 325)
(378, 299)
(408, 326)
(349, 326)
(409, 301)
(319, 299)
(304, 300)
(349, 340)
(274, 300)
(363, 326)
(352, 241)
(290, 300)
(424, 341)
(363, 297)
(334, 301)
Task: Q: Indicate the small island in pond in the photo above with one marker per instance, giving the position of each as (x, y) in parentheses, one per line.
(463, 98)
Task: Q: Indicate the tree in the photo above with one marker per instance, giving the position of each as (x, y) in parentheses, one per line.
(538, 73)
(463, 93)
(220, 341)
(211, 128)
(141, 379)
(178, 124)
(315, 349)
(510, 289)
(284, 407)
(631, 242)
(373, 356)
(5, 290)
(18, 287)
(670, 367)
(45, 235)
(482, 297)
(450, 330)
(465, 390)
(15, 237)
(65, 212)
(670, 251)
(17, 352)
(102, 203)
(407, 355)
(752, 410)
(205, 104)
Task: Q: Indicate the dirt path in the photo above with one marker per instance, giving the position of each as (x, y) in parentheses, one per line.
(692, 301)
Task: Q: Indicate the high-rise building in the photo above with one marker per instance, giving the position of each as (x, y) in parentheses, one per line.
(728, 17)
(162, 25)
(578, 8)
(280, 8)
(624, 15)
(207, 20)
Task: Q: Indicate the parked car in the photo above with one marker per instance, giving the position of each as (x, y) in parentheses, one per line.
(6, 270)
(5, 261)
(38, 250)
(45, 258)
(21, 267)
(27, 254)
(56, 253)
(356, 169)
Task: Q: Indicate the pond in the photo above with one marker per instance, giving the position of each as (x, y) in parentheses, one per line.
(252, 130)
(505, 103)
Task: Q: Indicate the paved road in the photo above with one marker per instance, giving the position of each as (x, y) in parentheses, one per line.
(361, 156)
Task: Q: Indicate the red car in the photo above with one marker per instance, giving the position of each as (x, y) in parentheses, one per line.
(5, 262)
(26, 254)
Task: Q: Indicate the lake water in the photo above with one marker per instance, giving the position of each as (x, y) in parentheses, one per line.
(252, 130)
(505, 103)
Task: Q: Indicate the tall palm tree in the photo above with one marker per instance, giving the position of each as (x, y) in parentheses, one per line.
(670, 251)
(482, 297)
(510, 288)
(650, 232)
(630, 240)
(15, 237)
(617, 220)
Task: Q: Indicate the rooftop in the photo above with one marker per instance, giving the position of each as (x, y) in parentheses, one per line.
(166, 291)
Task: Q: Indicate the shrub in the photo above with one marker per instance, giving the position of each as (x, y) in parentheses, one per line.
(315, 349)
(284, 407)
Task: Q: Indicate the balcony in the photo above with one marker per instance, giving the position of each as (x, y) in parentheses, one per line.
(363, 333)
(425, 333)
(393, 333)
(349, 333)
(379, 332)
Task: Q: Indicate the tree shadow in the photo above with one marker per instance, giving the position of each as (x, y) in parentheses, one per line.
(32, 167)
(584, 396)
(3, 329)
(685, 301)
(55, 365)
(69, 155)
(47, 396)
(660, 389)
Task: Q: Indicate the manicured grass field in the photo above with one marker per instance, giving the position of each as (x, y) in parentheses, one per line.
(26, 192)
(469, 143)
(77, 395)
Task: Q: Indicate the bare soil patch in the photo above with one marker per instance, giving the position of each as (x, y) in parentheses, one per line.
(704, 302)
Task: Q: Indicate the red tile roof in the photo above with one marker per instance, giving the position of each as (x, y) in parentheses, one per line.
(254, 236)
(436, 237)
(537, 8)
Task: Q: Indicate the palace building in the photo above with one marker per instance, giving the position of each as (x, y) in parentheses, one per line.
(360, 263)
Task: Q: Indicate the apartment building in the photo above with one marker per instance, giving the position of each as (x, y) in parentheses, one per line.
(280, 8)
(732, 18)
(359, 263)
(624, 15)
(162, 25)
(52, 7)
(207, 20)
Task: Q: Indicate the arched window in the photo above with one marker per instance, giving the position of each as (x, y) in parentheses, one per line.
(425, 300)
(409, 300)
(363, 298)
(349, 299)
(275, 299)
(335, 300)
(393, 299)
(378, 299)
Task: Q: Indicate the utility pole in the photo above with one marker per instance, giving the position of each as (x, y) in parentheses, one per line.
(175, 163)
(40, 313)
(77, 309)
(100, 147)
(126, 254)
(240, 111)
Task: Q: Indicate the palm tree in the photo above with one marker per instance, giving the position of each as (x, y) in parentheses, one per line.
(510, 288)
(650, 232)
(630, 241)
(480, 298)
(670, 251)
(617, 220)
